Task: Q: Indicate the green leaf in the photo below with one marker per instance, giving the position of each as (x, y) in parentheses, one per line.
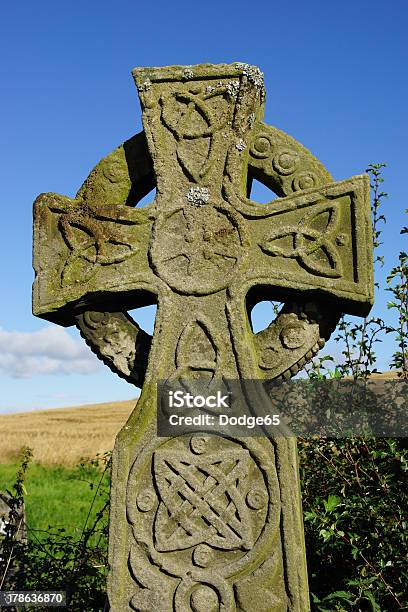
(339, 595)
(354, 552)
(331, 503)
(326, 534)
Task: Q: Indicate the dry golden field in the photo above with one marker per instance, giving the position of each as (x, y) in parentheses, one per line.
(64, 435)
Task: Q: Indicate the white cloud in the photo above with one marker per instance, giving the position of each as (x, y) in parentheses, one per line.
(48, 351)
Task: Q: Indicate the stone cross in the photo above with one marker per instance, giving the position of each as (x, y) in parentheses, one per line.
(204, 523)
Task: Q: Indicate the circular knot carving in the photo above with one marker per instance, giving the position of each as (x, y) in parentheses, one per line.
(203, 555)
(305, 180)
(293, 336)
(204, 599)
(201, 528)
(262, 147)
(285, 162)
(256, 499)
(146, 500)
(196, 250)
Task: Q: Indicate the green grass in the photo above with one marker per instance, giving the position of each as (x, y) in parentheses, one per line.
(57, 497)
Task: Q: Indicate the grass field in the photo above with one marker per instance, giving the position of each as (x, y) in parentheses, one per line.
(63, 436)
(58, 491)
(57, 497)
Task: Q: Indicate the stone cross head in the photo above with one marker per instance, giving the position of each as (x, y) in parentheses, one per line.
(202, 250)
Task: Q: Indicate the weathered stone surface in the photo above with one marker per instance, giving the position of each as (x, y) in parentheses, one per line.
(204, 522)
(12, 517)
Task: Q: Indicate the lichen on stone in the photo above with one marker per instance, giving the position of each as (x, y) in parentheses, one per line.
(253, 74)
(188, 73)
(145, 86)
(198, 195)
(241, 146)
(233, 89)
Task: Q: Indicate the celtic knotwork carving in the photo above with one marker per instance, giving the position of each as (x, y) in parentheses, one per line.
(228, 491)
(195, 122)
(201, 500)
(197, 351)
(313, 248)
(92, 243)
(196, 249)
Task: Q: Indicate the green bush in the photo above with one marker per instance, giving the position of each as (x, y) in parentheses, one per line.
(54, 559)
(355, 511)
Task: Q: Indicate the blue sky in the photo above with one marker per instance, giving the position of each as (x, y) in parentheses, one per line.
(336, 80)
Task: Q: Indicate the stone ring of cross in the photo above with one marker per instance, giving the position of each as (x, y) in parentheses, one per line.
(126, 175)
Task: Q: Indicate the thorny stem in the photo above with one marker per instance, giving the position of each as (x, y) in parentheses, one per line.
(86, 533)
(10, 557)
(17, 501)
(378, 573)
(403, 322)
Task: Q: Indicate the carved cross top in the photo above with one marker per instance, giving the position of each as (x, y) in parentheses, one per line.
(202, 249)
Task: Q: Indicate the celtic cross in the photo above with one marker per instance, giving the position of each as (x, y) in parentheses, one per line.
(204, 522)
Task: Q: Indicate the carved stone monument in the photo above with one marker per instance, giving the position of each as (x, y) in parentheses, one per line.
(204, 523)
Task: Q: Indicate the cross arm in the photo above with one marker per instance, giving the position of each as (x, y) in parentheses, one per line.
(317, 242)
(88, 256)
